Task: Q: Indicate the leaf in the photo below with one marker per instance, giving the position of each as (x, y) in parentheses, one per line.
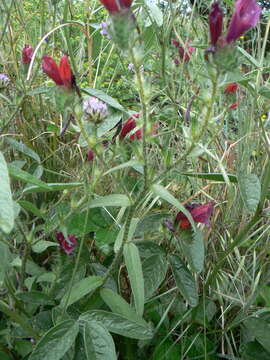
(118, 324)
(250, 58)
(24, 176)
(98, 342)
(56, 342)
(81, 288)
(119, 306)
(108, 124)
(148, 249)
(151, 222)
(6, 202)
(193, 248)
(19, 146)
(28, 206)
(154, 272)
(35, 297)
(260, 329)
(184, 280)
(160, 191)
(134, 268)
(252, 349)
(104, 97)
(265, 91)
(43, 245)
(51, 187)
(123, 166)
(110, 200)
(213, 176)
(250, 190)
(5, 260)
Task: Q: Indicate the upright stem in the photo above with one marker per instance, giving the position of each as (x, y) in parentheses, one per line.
(143, 100)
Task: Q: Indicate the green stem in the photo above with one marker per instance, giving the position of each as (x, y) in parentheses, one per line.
(145, 114)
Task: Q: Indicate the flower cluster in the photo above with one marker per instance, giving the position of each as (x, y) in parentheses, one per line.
(4, 81)
(27, 53)
(95, 109)
(67, 245)
(62, 75)
(130, 124)
(199, 213)
(184, 52)
(246, 15)
(116, 6)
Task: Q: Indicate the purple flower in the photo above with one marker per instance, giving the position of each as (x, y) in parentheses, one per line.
(104, 29)
(67, 245)
(95, 109)
(215, 22)
(90, 155)
(4, 81)
(245, 16)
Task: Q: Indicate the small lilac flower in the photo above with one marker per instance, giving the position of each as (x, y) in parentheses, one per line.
(169, 225)
(4, 81)
(104, 29)
(95, 109)
(245, 16)
(67, 245)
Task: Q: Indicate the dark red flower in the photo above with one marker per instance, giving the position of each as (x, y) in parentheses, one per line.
(215, 22)
(62, 74)
(233, 106)
(199, 213)
(90, 155)
(27, 53)
(67, 245)
(245, 16)
(183, 51)
(116, 6)
(128, 126)
(231, 88)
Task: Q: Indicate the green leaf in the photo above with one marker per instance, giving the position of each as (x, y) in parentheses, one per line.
(52, 187)
(118, 324)
(154, 272)
(110, 200)
(265, 91)
(19, 146)
(98, 342)
(213, 176)
(250, 58)
(250, 190)
(252, 349)
(134, 268)
(5, 260)
(104, 97)
(108, 124)
(160, 191)
(81, 288)
(260, 329)
(43, 245)
(123, 166)
(35, 297)
(56, 342)
(192, 245)
(119, 306)
(24, 176)
(28, 206)
(184, 280)
(6, 202)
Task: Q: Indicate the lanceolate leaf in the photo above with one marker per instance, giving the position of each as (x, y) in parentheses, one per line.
(192, 245)
(98, 342)
(154, 272)
(56, 342)
(6, 203)
(134, 268)
(260, 329)
(184, 280)
(118, 324)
